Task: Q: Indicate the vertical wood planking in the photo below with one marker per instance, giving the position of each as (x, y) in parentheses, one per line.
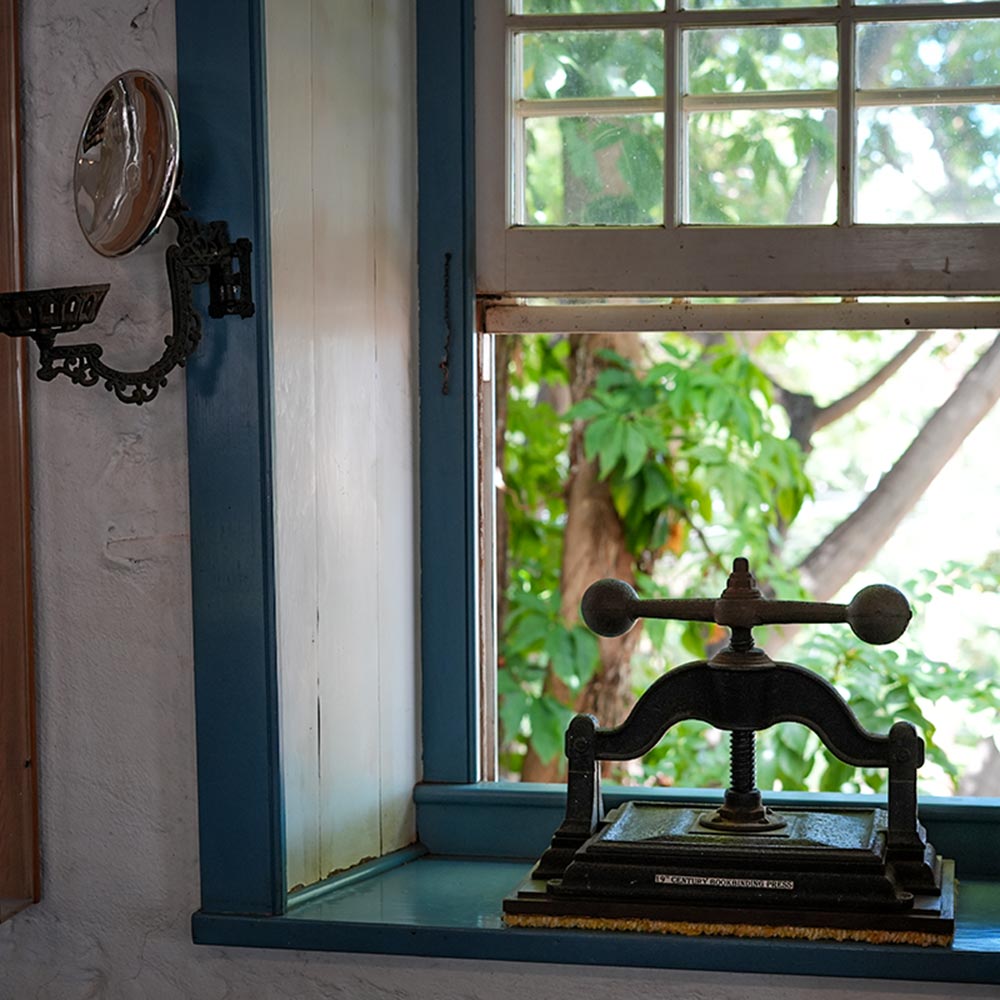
(393, 83)
(343, 214)
(345, 432)
(289, 72)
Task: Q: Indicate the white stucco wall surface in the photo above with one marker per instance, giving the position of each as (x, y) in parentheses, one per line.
(116, 707)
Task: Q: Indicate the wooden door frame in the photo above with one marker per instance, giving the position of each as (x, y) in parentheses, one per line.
(19, 857)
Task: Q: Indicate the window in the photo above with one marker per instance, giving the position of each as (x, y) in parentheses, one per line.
(448, 899)
(791, 128)
(635, 158)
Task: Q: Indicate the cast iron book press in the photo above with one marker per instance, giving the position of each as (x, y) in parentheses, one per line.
(849, 873)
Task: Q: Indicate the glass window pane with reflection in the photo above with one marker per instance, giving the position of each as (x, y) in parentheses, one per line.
(586, 6)
(753, 4)
(761, 167)
(748, 60)
(929, 164)
(590, 64)
(592, 170)
(886, 3)
(900, 54)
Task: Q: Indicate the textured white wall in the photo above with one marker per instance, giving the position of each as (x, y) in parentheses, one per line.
(114, 663)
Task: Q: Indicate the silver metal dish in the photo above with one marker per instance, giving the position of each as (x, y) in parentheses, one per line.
(126, 163)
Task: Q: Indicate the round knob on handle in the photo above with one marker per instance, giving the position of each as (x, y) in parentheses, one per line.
(878, 614)
(609, 607)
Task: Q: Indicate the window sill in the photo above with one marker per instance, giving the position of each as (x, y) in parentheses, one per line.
(450, 908)
(443, 899)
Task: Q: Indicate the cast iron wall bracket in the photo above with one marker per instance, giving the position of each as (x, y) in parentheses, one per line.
(203, 253)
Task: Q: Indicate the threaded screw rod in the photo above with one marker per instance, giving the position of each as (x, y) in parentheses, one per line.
(742, 761)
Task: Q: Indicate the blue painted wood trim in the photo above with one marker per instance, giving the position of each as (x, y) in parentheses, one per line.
(359, 873)
(447, 398)
(222, 102)
(585, 948)
(507, 820)
(432, 930)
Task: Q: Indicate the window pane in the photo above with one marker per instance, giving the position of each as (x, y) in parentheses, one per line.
(902, 2)
(585, 64)
(929, 164)
(737, 60)
(593, 170)
(587, 6)
(742, 4)
(929, 54)
(762, 167)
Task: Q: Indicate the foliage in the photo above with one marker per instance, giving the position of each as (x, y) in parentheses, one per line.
(683, 445)
(888, 684)
(883, 685)
(688, 447)
(533, 636)
(691, 433)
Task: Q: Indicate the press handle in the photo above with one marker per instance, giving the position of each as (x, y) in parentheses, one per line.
(878, 614)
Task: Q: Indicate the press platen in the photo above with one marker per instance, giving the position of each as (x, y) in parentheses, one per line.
(851, 873)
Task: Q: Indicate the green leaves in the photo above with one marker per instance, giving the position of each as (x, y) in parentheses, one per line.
(548, 721)
(534, 642)
(686, 447)
(898, 683)
(693, 460)
(692, 437)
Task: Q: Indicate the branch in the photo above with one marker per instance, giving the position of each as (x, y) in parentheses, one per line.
(851, 545)
(713, 556)
(826, 415)
(805, 417)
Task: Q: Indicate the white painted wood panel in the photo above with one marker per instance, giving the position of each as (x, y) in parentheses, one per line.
(395, 295)
(342, 159)
(290, 129)
(345, 435)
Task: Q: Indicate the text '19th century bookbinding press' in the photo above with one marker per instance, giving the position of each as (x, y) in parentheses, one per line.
(860, 873)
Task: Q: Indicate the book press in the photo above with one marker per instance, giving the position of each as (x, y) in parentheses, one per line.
(855, 873)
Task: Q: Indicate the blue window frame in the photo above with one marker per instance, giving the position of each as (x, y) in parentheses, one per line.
(221, 86)
(448, 476)
(221, 101)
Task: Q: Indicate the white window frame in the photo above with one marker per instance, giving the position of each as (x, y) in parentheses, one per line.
(676, 259)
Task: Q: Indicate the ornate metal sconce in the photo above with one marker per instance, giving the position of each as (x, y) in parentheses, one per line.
(126, 176)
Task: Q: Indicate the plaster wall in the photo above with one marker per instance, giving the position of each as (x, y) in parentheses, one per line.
(116, 740)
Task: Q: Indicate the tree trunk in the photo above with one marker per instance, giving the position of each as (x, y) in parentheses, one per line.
(593, 547)
(851, 545)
